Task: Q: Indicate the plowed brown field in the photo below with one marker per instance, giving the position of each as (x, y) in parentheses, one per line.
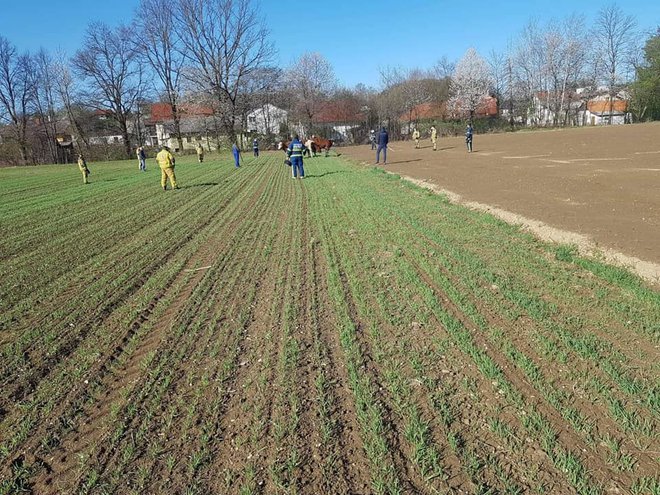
(602, 182)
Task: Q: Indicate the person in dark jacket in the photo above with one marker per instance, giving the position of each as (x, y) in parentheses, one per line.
(468, 137)
(255, 147)
(383, 139)
(295, 153)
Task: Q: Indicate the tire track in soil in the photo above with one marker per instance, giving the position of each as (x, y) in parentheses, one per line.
(576, 444)
(236, 422)
(95, 320)
(566, 435)
(44, 365)
(411, 483)
(234, 299)
(353, 474)
(517, 330)
(313, 476)
(113, 381)
(453, 461)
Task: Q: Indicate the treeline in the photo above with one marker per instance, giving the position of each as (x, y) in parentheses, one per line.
(218, 54)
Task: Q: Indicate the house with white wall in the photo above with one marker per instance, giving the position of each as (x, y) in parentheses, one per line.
(266, 119)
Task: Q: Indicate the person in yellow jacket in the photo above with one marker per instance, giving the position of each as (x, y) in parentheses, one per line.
(434, 137)
(166, 162)
(82, 165)
(415, 136)
(200, 152)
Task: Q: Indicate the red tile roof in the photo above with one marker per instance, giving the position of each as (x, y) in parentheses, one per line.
(339, 111)
(163, 111)
(603, 106)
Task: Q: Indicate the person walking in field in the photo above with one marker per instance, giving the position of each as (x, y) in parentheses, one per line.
(236, 151)
(166, 162)
(383, 139)
(295, 153)
(468, 137)
(200, 152)
(255, 147)
(415, 136)
(434, 137)
(142, 158)
(82, 165)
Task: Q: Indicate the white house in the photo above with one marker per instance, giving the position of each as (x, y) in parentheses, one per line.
(601, 110)
(266, 119)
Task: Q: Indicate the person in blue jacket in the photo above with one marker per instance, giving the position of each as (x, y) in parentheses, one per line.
(237, 155)
(383, 139)
(295, 153)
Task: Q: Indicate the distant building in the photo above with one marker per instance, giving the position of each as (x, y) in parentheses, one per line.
(579, 107)
(267, 119)
(601, 110)
(340, 119)
(197, 124)
(423, 112)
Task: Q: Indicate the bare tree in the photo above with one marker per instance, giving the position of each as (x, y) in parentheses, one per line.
(444, 68)
(312, 79)
(16, 93)
(405, 90)
(45, 100)
(67, 90)
(497, 63)
(226, 42)
(108, 62)
(158, 44)
(470, 83)
(614, 34)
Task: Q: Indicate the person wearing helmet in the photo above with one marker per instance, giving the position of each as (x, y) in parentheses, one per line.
(372, 139)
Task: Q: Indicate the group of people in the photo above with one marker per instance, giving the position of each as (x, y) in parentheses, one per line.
(166, 162)
(379, 142)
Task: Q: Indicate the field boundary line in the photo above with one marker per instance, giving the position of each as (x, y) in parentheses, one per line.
(586, 246)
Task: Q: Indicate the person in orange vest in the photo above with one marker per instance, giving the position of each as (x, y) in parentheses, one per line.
(166, 162)
(82, 165)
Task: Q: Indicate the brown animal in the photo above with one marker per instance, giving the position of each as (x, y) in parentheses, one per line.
(321, 144)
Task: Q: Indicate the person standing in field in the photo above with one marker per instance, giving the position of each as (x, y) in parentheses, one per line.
(82, 165)
(255, 147)
(383, 139)
(434, 137)
(236, 151)
(200, 152)
(415, 136)
(468, 137)
(142, 158)
(372, 139)
(295, 153)
(166, 162)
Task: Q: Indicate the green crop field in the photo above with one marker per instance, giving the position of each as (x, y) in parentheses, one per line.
(349, 333)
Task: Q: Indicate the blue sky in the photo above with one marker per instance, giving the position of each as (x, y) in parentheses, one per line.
(357, 37)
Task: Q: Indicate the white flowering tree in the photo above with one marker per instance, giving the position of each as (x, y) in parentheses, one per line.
(470, 83)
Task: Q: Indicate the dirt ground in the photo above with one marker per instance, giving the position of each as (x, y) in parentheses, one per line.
(600, 183)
